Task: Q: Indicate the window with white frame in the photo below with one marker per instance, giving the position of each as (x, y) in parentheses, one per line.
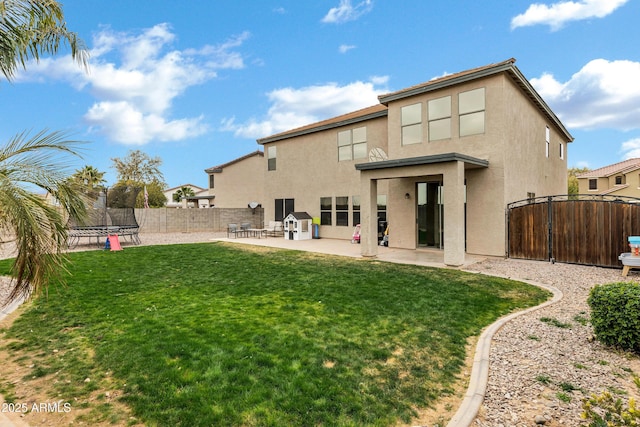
(471, 109)
(271, 158)
(411, 121)
(547, 138)
(439, 115)
(352, 144)
(561, 151)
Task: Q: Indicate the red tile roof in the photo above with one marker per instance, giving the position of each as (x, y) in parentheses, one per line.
(329, 123)
(616, 168)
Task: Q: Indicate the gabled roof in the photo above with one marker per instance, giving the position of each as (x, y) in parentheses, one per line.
(183, 185)
(300, 215)
(617, 168)
(343, 120)
(507, 66)
(219, 168)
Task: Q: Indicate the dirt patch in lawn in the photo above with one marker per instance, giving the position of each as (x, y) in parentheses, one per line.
(29, 398)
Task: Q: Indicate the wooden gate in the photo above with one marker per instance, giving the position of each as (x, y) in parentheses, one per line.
(590, 230)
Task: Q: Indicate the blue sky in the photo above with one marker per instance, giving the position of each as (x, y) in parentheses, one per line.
(196, 82)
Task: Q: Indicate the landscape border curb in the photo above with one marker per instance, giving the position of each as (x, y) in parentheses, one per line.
(473, 398)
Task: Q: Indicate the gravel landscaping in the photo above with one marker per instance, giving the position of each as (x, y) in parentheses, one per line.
(542, 364)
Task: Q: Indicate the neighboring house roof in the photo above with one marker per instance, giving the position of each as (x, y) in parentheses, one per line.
(219, 168)
(617, 168)
(193, 187)
(613, 189)
(507, 66)
(343, 120)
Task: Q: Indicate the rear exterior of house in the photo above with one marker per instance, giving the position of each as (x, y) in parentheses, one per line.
(438, 161)
(619, 179)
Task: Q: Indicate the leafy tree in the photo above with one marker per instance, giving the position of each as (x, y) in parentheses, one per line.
(183, 192)
(29, 30)
(140, 170)
(157, 199)
(573, 180)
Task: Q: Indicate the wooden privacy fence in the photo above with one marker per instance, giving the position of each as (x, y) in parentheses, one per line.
(590, 230)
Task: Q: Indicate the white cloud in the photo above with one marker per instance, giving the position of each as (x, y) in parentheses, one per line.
(292, 108)
(603, 94)
(344, 48)
(122, 122)
(557, 14)
(346, 12)
(631, 148)
(135, 79)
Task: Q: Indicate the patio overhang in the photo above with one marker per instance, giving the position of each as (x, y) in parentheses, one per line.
(469, 162)
(450, 168)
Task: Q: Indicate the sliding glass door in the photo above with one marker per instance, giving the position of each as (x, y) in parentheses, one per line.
(430, 214)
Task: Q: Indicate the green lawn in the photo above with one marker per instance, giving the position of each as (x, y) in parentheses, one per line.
(218, 334)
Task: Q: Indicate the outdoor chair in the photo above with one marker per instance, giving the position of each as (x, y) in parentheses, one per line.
(244, 228)
(233, 230)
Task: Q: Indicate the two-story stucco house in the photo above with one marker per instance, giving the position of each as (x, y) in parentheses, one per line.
(237, 183)
(619, 179)
(439, 161)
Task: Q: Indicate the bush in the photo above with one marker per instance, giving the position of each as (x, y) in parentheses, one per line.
(615, 314)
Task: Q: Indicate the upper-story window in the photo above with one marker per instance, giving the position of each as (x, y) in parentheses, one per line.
(411, 118)
(471, 106)
(211, 181)
(547, 139)
(593, 184)
(619, 180)
(439, 113)
(352, 144)
(561, 151)
(271, 158)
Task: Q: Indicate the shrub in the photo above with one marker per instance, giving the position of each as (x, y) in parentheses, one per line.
(615, 314)
(605, 411)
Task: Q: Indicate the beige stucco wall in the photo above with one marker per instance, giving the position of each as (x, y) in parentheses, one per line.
(239, 183)
(307, 168)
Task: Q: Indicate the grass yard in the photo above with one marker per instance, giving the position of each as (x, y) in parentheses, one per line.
(222, 334)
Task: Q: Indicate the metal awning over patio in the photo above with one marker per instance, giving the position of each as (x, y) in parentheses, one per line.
(469, 162)
(450, 166)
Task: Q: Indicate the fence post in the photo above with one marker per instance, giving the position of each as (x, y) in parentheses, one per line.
(550, 227)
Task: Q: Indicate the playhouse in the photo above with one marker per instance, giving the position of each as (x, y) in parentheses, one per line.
(297, 226)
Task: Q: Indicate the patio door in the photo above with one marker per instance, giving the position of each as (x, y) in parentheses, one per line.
(430, 215)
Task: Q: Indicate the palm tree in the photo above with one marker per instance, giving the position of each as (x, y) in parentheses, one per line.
(30, 29)
(89, 180)
(183, 192)
(37, 226)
